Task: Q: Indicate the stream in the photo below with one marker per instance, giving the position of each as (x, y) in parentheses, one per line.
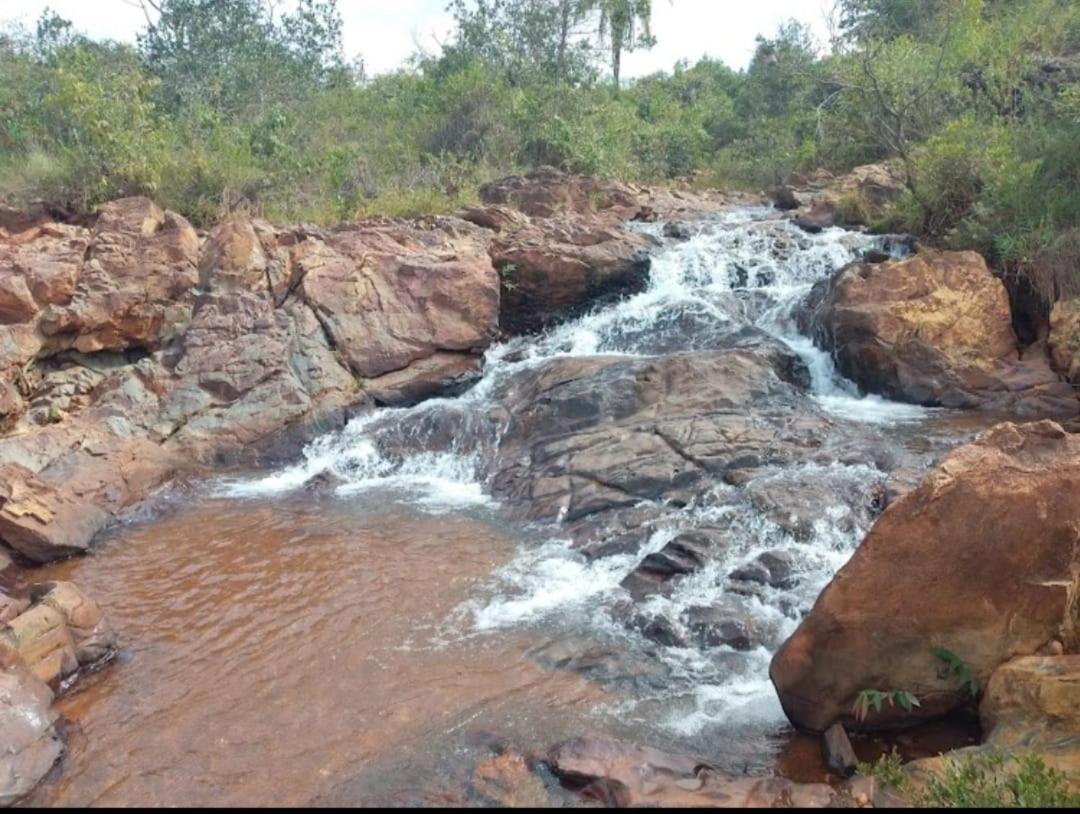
(360, 626)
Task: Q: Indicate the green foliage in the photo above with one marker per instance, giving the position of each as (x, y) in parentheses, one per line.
(247, 105)
(992, 780)
(870, 698)
(887, 770)
(952, 666)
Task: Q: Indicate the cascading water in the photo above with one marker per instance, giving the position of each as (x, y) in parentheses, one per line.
(744, 269)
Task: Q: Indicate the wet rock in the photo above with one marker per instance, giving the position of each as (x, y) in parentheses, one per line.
(620, 667)
(60, 632)
(839, 754)
(985, 553)
(441, 374)
(594, 434)
(93, 636)
(784, 198)
(508, 781)
(658, 628)
(629, 775)
(553, 271)
(29, 745)
(773, 568)
(677, 231)
(730, 622)
(44, 522)
(935, 330)
(684, 555)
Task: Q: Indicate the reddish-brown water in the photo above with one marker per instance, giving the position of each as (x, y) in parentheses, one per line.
(272, 651)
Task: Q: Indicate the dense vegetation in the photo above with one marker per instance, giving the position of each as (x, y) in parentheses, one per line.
(222, 106)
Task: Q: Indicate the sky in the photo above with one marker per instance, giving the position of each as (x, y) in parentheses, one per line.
(386, 32)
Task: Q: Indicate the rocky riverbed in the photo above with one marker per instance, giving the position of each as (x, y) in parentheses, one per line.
(683, 413)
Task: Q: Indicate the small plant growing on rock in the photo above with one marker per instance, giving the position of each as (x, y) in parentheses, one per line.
(953, 666)
(875, 699)
(506, 272)
(993, 780)
(888, 771)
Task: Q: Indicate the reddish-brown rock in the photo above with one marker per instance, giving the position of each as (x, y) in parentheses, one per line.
(980, 560)
(555, 270)
(390, 296)
(44, 522)
(546, 192)
(935, 329)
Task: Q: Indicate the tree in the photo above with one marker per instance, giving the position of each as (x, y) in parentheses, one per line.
(625, 25)
(236, 56)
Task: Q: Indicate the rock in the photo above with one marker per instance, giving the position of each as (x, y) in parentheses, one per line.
(92, 634)
(1064, 341)
(773, 568)
(839, 754)
(233, 257)
(546, 192)
(784, 198)
(594, 434)
(42, 522)
(441, 374)
(391, 296)
(625, 774)
(29, 745)
(684, 555)
(43, 641)
(1032, 705)
(821, 216)
(935, 329)
(558, 270)
(729, 622)
(876, 185)
(11, 606)
(507, 781)
(677, 231)
(980, 560)
(135, 288)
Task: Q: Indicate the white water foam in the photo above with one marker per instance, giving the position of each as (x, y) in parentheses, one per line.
(745, 268)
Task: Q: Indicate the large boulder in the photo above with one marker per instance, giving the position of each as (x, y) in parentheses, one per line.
(391, 296)
(934, 329)
(43, 522)
(556, 270)
(594, 434)
(980, 561)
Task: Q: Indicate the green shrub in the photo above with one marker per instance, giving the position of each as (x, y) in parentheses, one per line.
(993, 780)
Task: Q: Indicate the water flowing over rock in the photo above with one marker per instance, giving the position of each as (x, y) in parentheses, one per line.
(935, 329)
(621, 774)
(980, 561)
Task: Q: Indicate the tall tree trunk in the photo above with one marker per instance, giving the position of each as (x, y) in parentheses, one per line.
(564, 39)
(616, 60)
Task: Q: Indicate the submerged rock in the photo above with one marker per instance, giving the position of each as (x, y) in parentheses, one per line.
(980, 562)
(625, 774)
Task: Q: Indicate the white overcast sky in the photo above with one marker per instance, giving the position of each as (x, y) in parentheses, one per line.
(386, 32)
